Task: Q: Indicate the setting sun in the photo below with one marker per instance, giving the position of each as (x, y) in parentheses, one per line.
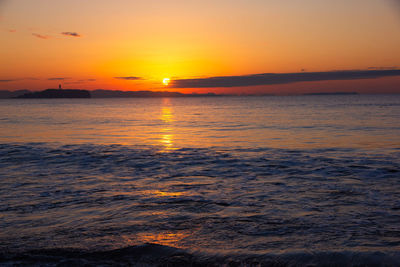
(166, 81)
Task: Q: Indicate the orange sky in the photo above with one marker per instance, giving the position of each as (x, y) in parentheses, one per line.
(86, 44)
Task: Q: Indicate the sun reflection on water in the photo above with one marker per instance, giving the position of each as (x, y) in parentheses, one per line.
(166, 114)
(167, 140)
(163, 193)
(168, 238)
(168, 194)
(167, 117)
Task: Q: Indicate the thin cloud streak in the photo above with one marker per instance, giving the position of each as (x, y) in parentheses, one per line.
(131, 78)
(72, 34)
(19, 79)
(45, 37)
(58, 78)
(281, 78)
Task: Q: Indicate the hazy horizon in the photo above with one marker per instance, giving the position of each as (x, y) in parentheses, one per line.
(305, 93)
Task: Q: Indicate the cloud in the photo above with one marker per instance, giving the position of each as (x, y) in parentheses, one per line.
(72, 34)
(130, 78)
(281, 78)
(41, 36)
(19, 79)
(396, 4)
(58, 78)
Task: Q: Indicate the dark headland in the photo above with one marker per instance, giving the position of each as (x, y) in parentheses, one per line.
(100, 93)
(58, 93)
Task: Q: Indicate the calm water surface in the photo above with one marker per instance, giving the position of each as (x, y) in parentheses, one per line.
(278, 122)
(249, 175)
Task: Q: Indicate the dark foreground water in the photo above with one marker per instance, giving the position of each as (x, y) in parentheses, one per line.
(238, 181)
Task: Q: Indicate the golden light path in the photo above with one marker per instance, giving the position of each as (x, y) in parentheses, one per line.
(166, 238)
(167, 130)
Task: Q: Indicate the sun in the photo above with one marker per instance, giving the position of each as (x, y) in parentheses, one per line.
(166, 81)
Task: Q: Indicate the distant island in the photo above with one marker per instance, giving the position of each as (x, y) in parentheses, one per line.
(57, 93)
(130, 94)
(100, 93)
(333, 93)
(12, 94)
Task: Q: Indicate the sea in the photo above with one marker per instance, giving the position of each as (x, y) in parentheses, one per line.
(201, 181)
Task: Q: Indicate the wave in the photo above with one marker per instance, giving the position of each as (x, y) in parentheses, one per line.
(158, 255)
(238, 200)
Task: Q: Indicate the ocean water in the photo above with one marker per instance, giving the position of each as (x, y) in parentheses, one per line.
(306, 180)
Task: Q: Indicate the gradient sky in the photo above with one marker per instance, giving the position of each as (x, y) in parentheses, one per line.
(86, 44)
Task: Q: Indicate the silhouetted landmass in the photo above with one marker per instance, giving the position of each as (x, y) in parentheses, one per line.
(131, 94)
(58, 93)
(261, 94)
(12, 94)
(100, 93)
(334, 93)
